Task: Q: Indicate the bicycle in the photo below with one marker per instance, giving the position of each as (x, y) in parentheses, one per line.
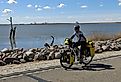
(68, 56)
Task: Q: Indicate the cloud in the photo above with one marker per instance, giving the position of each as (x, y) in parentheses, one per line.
(101, 5)
(39, 9)
(11, 1)
(6, 11)
(36, 6)
(84, 6)
(119, 4)
(29, 5)
(46, 7)
(61, 5)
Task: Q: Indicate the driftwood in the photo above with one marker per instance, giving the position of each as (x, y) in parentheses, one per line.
(12, 34)
(47, 45)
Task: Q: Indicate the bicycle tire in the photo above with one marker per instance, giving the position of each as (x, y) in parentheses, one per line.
(90, 59)
(64, 62)
(86, 63)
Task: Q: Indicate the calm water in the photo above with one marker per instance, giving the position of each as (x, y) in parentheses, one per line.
(32, 36)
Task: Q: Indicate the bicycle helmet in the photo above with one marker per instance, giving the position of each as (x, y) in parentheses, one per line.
(76, 27)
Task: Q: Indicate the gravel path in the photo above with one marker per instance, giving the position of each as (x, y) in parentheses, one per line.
(8, 69)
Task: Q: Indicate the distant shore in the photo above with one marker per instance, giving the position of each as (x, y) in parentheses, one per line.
(62, 23)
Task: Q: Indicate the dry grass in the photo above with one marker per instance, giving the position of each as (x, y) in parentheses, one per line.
(98, 36)
(117, 35)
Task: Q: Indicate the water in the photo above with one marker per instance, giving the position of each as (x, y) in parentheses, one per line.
(34, 36)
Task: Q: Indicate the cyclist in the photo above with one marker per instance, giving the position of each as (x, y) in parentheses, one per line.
(81, 40)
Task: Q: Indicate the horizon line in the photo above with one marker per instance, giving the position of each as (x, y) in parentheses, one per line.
(35, 23)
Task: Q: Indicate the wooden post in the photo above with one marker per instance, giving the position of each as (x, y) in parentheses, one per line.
(11, 22)
(14, 34)
(11, 32)
(10, 37)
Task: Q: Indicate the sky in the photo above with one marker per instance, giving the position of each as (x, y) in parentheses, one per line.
(60, 11)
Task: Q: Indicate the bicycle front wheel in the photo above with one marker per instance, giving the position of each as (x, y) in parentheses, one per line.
(67, 60)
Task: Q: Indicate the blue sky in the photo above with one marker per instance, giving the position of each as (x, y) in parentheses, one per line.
(30, 11)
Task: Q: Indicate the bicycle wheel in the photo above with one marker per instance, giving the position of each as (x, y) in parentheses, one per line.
(67, 59)
(87, 58)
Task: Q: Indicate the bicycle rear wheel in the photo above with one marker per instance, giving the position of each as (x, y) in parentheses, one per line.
(67, 60)
(87, 58)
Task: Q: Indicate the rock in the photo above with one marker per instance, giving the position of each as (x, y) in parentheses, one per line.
(46, 52)
(24, 55)
(114, 47)
(98, 49)
(28, 59)
(51, 55)
(33, 50)
(5, 50)
(22, 61)
(51, 48)
(55, 47)
(10, 60)
(36, 56)
(104, 48)
(16, 49)
(3, 55)
(119, 46)
(42, 57)
(29, 56)
(14, 55)
(57, 55)
(39, 49)
(19, 55)
(119, 40)
(16, 62)
(61, 46)
(109, 45)
(98, 43)
(42, 50)
(2, 63)
(28, 53)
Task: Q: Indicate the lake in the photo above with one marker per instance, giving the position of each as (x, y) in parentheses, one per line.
(34, 36)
